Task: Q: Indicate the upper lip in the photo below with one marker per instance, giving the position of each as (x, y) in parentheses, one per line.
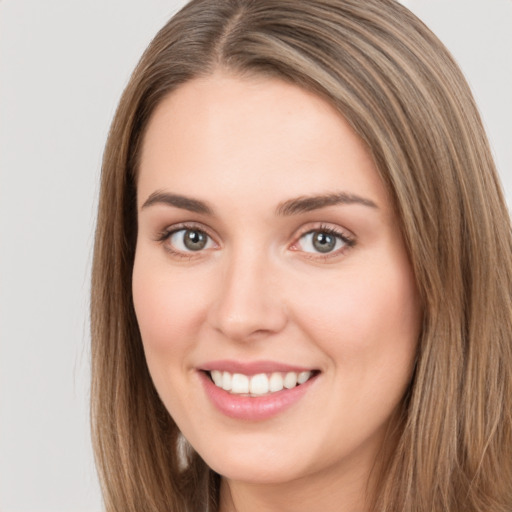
(252, 367)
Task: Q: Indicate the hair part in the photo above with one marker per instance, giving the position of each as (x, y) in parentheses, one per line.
(403, 94)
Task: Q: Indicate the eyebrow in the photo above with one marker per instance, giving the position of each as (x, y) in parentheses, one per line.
(305, 204)
(294, 206)
(178, 201)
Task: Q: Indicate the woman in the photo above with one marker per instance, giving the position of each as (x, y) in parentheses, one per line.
(302, 274)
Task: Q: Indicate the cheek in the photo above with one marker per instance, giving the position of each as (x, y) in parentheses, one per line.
(370, 315)
(168, 307)
(169, 314)
(368, 325)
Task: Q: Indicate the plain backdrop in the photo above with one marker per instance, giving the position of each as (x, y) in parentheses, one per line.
(63, 66)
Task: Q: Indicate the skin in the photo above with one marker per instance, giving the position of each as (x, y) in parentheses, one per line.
(260, 290)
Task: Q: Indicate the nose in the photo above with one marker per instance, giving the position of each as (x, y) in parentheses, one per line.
(248, 304)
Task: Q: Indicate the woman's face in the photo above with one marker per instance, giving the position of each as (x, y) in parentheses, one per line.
(270, 260)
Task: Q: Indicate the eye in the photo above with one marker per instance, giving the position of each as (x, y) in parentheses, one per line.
(323, 241)
(189, 240)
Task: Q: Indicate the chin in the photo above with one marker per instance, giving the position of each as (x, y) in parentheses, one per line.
(257, 462)
(256, 473)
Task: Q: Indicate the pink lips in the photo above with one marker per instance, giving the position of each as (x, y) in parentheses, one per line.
(252, 408)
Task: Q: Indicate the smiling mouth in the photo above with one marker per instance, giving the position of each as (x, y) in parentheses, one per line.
(260, 384)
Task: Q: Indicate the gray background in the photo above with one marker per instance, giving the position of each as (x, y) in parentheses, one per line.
(63, 65)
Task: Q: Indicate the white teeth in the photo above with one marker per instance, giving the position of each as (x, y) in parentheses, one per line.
(303, 377)
(240, 384)
(226, 381)
(290, 380)
(260, 384)
(276, 382)
(217, 377)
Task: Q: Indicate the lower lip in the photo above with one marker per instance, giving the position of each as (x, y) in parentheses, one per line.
(253, 408)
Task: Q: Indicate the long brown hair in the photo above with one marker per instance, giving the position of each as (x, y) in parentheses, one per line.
(402, 92)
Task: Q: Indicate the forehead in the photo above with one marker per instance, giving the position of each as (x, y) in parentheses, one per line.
(241, 136)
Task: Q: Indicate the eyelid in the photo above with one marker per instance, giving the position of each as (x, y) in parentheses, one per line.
(346, 236)
(173, 228)
(165, 234)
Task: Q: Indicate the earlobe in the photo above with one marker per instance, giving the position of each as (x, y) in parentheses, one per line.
(184, 452)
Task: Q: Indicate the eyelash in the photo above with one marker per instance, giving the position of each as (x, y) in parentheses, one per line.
(348, 241)
(166, 234)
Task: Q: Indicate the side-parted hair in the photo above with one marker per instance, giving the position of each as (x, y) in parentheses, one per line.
(403, 94)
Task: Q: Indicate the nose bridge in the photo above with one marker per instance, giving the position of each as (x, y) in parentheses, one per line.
(248, 303)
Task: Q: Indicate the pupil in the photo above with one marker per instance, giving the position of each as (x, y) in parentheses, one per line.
(194, 240)
(324, 242)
